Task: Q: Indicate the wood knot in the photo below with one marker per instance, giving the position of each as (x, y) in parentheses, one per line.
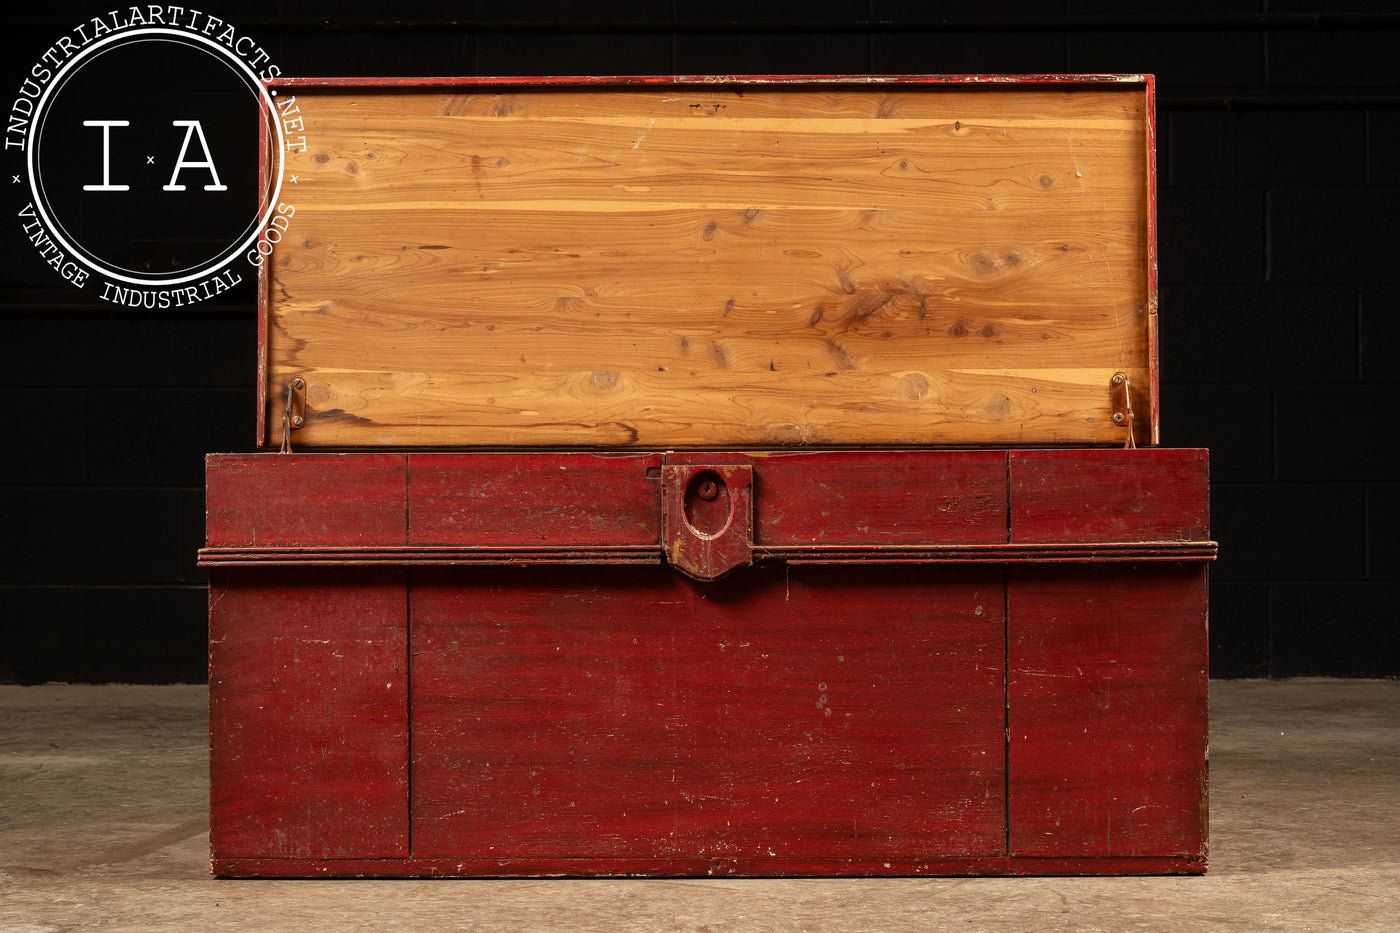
(983, 263)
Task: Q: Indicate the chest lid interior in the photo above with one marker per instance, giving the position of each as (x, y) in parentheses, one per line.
(687, 263)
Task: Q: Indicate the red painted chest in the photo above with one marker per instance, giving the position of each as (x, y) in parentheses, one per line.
(710, 477)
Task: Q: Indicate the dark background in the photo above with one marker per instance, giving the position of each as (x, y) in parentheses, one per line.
(1279, 184)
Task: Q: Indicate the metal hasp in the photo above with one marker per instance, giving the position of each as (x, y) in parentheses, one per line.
(707, 518)
(1122, 406)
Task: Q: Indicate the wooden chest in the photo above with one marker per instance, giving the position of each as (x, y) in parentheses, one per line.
(710, 476)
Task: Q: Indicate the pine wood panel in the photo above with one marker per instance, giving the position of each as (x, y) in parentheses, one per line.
(545, 501)
(310, 500)
(874, 499)
(692, 266)
(1109, 495)
(618, 712)
(1107, 710)
(308, 713)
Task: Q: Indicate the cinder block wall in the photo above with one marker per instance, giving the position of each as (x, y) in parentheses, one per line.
(1279, 147)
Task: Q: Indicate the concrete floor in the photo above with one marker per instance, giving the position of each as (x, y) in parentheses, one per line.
(103, 826)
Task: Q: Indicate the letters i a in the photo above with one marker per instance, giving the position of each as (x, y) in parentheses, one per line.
(192, 129)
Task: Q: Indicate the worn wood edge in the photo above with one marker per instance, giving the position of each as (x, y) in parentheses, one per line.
(1093, 552)
(1154, 369)
(264, 282)
(412, 556)
(449, 555)
(1025, 453)
(870, 867)
(702, 451)
(521, 81)
(739, 449)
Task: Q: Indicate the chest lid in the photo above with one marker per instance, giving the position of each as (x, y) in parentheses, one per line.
(700, 262)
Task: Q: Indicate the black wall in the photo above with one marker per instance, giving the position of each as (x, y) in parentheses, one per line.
(1279, 144)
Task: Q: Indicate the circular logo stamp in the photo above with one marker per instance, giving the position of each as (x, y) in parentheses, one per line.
(138, 136)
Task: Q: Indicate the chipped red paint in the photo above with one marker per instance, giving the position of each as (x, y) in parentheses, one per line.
(830, 710)
(1153, 301)
(612, 712)
(707, 517)
(1080, 640)
(308, 714)
(931, 866)
(877, 507)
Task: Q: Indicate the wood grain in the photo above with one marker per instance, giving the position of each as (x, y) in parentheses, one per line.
(1060, 496)
(880, 499)
(308, 714)
(690, 267)
(309, 500)
(624, 711)
(546, 501)
(1107, 710)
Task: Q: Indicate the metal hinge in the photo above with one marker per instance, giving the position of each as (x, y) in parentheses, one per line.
(295, 415)
(1122, 406)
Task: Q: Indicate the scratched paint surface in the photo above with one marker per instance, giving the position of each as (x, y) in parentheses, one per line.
(815, 712)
